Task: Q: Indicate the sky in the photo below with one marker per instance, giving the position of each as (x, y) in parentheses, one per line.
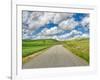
(53, 25)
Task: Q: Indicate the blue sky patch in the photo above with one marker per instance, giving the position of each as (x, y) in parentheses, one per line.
(50, 25)
(79, 16)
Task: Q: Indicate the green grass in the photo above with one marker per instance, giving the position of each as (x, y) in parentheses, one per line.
(33, 46)
(79, 47)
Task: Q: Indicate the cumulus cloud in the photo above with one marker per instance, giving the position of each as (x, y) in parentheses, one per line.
(61, 16)
(81, 36)
(69, 35)
(25, 15)
(85, 22)
(34, 22)
(85, 35)
(50, 32)
(68, 24)
(46, 37)
(39, 19)
(25, 36)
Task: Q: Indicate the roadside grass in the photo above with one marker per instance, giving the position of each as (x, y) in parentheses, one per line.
(79, 47)
(33, 46)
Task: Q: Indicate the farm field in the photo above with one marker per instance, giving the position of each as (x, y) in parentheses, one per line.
(33, 46)
(79, 47)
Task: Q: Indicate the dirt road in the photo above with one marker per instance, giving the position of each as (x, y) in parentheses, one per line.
(56, 56)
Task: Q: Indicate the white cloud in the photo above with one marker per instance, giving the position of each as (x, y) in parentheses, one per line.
(46, 37)
(25, 16)
(85, 35)
(47, 17)
(85, 21)
(50, 32)
(34, 21)
(68, 24)
(35, 25)
(25, 36)
(61, 16)
(39, 19)
(69, 35)
(75, 32)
